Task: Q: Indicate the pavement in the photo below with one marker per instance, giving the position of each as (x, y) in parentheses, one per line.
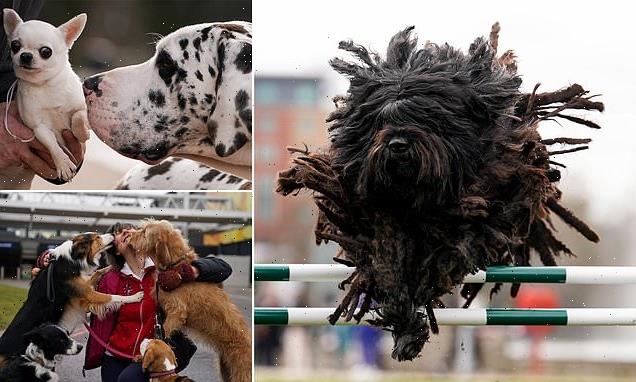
(202, 368)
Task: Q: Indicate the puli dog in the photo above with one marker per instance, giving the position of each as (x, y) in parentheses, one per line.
(435, 170)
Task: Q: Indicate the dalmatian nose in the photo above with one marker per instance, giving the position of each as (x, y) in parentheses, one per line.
(91, 85)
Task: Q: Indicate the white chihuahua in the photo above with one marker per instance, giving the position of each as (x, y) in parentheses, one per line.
(49, 95)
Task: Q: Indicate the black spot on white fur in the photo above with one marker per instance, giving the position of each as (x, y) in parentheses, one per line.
(241, 99)
(179, 133)
(213, 126)
(159, 169)
(220, 66)
(166, 66)
(243, 60)
(210, 175)
(205, 33)
(157, 98)
(181, 101)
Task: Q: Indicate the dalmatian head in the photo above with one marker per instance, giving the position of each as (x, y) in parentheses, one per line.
(192, 97)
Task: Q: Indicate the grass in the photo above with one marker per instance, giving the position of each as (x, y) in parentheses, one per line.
(11, 299)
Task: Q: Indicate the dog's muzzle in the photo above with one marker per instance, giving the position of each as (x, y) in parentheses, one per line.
(398, 145)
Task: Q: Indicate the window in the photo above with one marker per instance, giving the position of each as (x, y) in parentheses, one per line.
(266, 92)
(305, 93)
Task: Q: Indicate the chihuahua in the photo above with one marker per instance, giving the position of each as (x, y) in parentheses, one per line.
(49, 94)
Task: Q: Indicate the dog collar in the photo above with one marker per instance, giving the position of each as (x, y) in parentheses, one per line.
(159, 374)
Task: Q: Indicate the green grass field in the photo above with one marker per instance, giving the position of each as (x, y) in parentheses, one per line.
(11, 299)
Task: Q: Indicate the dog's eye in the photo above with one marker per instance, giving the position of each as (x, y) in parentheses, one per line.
(15, 46)
(45, 52)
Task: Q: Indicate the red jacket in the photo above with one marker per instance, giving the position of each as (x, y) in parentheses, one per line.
(125, 329)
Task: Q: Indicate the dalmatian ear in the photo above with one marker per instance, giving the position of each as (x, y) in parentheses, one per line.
(230, 123)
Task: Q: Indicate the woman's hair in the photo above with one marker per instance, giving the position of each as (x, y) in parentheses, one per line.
(114, 260)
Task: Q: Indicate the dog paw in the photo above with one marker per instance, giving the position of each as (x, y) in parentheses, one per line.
(65, 168)
(80, 126)
(81, 133)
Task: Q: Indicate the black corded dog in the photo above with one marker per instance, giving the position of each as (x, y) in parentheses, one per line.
(46, 344)
(435, 170)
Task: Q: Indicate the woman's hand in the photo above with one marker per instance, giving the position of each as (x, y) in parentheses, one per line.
(172, 278)
(32, 154)
(40, 263)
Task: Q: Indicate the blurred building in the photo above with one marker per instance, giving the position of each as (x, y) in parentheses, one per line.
(289, 111)
(213, 223)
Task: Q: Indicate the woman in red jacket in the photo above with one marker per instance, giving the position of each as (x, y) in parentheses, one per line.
(124, 330)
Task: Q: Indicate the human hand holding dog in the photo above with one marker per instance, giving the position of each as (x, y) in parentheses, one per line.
(172, 278)
(40, 263)
(32, 154)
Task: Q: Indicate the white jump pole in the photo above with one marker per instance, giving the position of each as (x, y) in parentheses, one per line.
(465, 317)
(564, 275)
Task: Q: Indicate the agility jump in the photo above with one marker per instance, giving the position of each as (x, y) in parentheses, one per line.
(579, 275)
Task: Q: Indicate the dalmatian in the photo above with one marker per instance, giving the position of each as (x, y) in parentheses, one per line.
(180, 174)
(191, 99)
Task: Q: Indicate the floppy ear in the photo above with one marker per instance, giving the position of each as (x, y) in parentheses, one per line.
(80, 249)
(32, 336)
(162, 252)
(230, 122)
(11, 21)
(72, 29)
(148, 358)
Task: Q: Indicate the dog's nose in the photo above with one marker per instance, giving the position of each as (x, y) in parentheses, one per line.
(80, 347)
(26, 58)
(398, 145)
(91, 84)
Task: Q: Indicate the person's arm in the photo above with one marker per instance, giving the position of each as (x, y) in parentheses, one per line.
(212, 269)
(207, 269)
(183, 349)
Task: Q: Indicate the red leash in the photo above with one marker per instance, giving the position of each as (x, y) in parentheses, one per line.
(159, 374)
(104, 344)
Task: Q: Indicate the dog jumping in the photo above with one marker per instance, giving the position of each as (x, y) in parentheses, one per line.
(435, 170)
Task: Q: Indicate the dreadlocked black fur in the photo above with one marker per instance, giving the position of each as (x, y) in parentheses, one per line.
(435, 170)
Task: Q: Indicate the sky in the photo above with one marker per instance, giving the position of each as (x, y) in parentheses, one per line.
(558, 43)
